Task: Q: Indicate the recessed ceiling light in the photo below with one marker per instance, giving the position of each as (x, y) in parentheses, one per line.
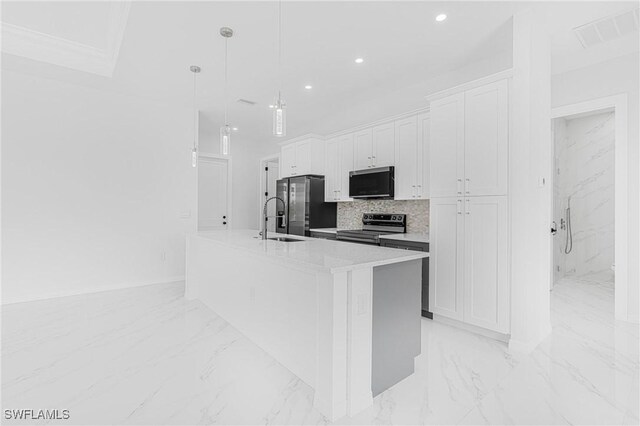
(271, 106)
(441, 17)
(308, 87)
(359, 60)
(235, 129)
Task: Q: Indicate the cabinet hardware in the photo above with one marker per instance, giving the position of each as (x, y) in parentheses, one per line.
(458, 203)
(458, 183)
(466, 186)
(467, 207)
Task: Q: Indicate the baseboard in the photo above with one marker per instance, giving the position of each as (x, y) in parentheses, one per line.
(100, 289)
(472, 328)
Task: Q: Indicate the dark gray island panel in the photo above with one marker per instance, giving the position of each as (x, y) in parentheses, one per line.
(396, 322)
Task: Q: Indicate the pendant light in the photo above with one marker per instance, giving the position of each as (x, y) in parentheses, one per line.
(279, 113)
(225, 131)
(194, 151)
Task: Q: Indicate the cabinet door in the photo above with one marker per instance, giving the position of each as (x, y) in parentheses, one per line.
(422, 169)
(287, 158)
(346, 165)
(302, 166)
(407, 160)
(447, 146)
(362, 149)
(332, 170)
(383, 145)
(446, 233)
(486, 293)
(486, 139)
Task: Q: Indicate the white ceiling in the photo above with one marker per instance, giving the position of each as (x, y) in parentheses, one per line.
(401, 43)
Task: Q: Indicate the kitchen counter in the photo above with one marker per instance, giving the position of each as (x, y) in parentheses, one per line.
(311, 253)
(410, 236)
(345, 318)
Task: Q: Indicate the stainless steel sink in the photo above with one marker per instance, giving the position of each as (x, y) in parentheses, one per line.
(284, 239)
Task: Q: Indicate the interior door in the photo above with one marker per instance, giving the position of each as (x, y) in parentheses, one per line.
(298, 208)
(384, 145)
(486, 139)
(362, 149)
(407, 159)
(486, 293)
(446, 252)
(212, 193)
(447, 146)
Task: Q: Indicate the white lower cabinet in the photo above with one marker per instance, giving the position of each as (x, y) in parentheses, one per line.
(468, 266)
(446, 254)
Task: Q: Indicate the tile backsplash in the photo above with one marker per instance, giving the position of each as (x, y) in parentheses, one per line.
(417, 211)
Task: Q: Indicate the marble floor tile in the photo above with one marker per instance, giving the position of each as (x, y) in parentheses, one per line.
(148, 356)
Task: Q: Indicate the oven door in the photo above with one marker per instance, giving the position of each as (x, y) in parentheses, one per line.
(372, 183)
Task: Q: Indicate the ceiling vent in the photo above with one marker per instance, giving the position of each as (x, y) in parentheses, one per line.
(607, 29)
(246, 102)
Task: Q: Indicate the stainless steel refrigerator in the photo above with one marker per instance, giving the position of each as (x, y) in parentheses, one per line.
(304, 206)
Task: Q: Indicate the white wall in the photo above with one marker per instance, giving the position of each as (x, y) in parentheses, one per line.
(619, 75)
(93, 187)
(530, 203)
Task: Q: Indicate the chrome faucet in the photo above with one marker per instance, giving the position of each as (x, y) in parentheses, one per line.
(263, 233)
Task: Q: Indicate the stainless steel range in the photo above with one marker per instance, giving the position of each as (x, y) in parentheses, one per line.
(374, 225)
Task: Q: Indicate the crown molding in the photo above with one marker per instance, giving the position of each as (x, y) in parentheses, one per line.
(25, 42)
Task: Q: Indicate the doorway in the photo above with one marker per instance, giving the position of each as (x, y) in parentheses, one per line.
(584, 197)
(589, 199)
(269, 175)
(214, 196)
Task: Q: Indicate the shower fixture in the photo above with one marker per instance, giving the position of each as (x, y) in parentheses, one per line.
(568, 246)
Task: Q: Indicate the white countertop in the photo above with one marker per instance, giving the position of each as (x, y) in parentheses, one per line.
(326, 230)
(315, 253)
(410, 236)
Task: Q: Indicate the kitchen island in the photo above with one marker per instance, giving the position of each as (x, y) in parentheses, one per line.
(343, 317)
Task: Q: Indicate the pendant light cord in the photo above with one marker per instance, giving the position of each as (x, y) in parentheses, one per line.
(280, 48)
(226, 123)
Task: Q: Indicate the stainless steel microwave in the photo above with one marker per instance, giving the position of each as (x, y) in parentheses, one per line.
(377, 183)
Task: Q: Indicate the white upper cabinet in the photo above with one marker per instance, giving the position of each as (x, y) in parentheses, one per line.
(412, 158)
(374, 147)
(346, 166)
(332, 170)
(363, 149)
(447, 146)
(383, 145)
(304, 157)
(287, 160)
(486, 139)
(339, 162)
(424, 153)
(406, 171)
(469, 142)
